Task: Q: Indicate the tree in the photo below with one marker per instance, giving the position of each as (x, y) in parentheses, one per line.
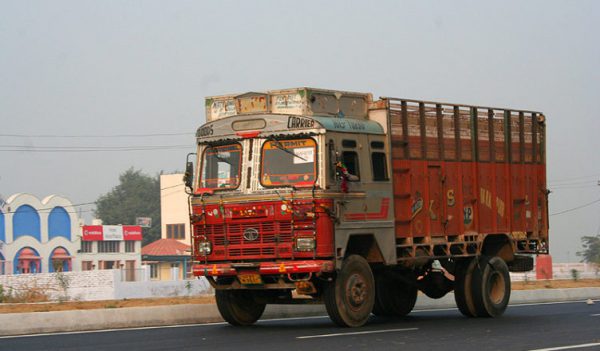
(591, 249)
(137, 195)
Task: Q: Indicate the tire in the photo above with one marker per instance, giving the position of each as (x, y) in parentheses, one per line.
(403, 296)
(379, 307)
(463, 294)
(239, 307)
(491, 288)
(349, 299)
(394, 296)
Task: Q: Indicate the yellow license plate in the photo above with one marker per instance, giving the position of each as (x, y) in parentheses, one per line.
(250, 279)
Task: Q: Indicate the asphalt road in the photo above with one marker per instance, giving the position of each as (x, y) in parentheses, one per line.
(534, 327)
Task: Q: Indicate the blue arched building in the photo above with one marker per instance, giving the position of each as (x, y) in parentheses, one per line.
(37, 235)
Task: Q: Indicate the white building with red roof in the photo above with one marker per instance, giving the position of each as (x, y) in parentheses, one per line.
(169, 258)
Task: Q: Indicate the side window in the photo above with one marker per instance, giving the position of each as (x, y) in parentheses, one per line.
(350, 160)
(379, 166)
(378, 161)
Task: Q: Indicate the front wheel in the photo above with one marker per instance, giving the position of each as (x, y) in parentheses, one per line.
(239, 307)
(349, 299)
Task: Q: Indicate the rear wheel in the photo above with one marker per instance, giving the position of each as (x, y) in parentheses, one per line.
(462, 286)
(239, 307)
(491, 288)
(349, 299)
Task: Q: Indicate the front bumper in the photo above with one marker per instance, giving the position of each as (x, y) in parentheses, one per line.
(263, 268)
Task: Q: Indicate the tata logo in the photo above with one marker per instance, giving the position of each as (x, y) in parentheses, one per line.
(251, 234)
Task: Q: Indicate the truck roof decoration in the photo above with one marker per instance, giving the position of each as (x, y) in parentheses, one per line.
(243, 126)
(298, 101)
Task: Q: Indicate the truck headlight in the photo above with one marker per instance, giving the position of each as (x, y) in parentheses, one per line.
(204, 248)
(305, 244)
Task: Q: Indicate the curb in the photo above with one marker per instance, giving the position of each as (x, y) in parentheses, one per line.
(132, 317)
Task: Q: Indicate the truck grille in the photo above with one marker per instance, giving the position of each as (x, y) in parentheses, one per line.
(275, 239)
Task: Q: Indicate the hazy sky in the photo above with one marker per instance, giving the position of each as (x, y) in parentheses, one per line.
(81, 74)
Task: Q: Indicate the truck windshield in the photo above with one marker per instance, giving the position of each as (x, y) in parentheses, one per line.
(288, 162)
(221, 167)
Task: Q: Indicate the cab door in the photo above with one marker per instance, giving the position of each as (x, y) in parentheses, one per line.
(349, 176)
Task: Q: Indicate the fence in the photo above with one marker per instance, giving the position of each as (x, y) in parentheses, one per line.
(85, 286)
(99, 285)
(561, 271)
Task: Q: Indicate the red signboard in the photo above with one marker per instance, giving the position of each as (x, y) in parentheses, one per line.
(92, 233)
(132, 232)
(111, 232)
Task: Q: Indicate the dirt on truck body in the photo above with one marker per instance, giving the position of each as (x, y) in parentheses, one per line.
(318, 196)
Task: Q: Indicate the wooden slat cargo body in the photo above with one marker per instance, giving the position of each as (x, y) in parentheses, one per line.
(462, 173)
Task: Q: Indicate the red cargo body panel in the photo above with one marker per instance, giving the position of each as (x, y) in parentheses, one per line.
(464, 171)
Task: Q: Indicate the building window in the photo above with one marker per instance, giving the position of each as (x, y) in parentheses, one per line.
(176, 231)
(26, 222)
(59, 224)
(108, 246)
(87, 265)
(153, 271)
(108, 264)
(86, 246)
(130, 246)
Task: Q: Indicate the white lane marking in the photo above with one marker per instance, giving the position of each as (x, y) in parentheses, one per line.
(291, 319)
(595, 315)
(580, 346)
(356, 333)
(548, 303)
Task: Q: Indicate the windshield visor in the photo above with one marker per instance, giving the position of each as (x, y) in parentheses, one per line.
(289, 162)
(221, 167)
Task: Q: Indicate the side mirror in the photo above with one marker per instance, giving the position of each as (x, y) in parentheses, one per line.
(188, 177)
(189, 174)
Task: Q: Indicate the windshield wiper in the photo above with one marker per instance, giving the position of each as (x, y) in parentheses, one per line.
(280, 146)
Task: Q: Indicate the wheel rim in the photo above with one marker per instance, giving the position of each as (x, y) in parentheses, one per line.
(356, 291)
(497, 288)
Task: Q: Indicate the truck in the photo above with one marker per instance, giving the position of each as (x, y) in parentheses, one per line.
(315, 196)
